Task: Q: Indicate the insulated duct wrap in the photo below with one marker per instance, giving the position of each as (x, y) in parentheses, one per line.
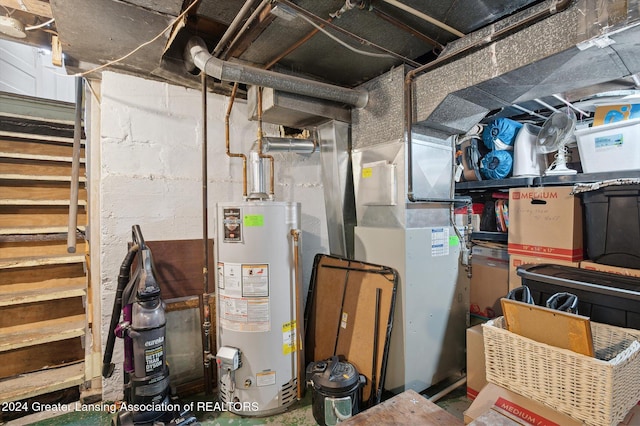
(455, 95)
(196, 54)
(383, 118)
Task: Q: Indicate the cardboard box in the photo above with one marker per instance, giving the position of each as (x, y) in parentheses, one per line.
(516, 260)
(476, 376)
(525, 411)
(489, 280)
(627, 272)
(545, 222)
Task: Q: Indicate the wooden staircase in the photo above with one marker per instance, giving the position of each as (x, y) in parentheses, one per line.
(43, 288)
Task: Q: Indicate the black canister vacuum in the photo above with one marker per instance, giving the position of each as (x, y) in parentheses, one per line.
(337, 390)
(147, 390)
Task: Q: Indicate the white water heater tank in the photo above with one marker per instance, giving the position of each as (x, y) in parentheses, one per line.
(256, 306)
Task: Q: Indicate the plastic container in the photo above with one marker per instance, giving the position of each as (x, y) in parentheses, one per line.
(610, 147)
(336, 390)
(605, 298)
(612, 225)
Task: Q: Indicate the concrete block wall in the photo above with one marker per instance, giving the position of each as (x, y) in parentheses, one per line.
(150, 174)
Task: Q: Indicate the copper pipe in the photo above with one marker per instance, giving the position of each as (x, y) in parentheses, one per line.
(295, 233)
(383, 15)
(260, 154)
(226, 137)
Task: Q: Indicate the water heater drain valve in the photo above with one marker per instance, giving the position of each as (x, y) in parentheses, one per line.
(229, 358)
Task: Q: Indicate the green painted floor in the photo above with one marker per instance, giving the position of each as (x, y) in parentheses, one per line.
(299, 414)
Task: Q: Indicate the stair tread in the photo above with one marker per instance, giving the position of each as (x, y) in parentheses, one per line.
(36, 333)
(41, 382)
(51, 178)
(36, 137)
(35, 230)
(25, 202)
(53, 289)
(25, 262)
(39, 157)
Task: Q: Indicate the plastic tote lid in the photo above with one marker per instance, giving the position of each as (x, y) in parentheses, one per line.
(332, 374)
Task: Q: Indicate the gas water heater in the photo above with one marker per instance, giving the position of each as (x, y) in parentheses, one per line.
(256, 306)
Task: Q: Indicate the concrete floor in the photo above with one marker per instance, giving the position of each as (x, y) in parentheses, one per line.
(299, 414)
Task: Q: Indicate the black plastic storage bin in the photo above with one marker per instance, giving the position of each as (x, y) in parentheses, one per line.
(612, 225)
(605, 298)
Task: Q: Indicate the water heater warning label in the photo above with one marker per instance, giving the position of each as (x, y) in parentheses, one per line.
(243, 314)
(289, 337)
(255, 280)
(232, 224)
(266, 378)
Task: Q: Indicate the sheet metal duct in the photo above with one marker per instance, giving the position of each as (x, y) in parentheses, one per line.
(292, 110)
(584, 45)
(197, 55)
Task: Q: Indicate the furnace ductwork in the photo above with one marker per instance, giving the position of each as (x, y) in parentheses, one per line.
(196, 55)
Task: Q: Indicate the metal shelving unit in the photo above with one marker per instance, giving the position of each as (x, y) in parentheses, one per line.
(505, 184)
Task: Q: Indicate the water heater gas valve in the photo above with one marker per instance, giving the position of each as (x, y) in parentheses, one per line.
(229, 358)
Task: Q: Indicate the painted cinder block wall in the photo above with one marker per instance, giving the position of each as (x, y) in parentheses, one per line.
(149, 173)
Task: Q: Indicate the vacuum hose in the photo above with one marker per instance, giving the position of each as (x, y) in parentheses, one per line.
(123, 280)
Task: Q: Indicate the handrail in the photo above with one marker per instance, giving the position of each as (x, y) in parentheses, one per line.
(75, 170)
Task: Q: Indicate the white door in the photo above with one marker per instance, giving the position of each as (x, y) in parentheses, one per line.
(28, 71)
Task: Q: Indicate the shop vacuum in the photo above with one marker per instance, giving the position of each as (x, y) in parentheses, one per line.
(337, 390)
(147, 391)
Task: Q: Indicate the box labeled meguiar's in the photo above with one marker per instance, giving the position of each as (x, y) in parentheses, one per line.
(545, 222)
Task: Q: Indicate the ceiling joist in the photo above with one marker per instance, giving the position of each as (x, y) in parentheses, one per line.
(35, 7)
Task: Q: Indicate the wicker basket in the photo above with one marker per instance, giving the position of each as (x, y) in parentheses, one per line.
(598, 391)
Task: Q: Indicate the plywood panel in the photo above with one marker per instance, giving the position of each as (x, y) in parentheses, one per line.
(549, 326)
(179, 267)
(364, 296)
(323, 323)
(407, 408)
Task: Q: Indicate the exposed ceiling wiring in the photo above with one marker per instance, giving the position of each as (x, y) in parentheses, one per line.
(122, 58)
(44, 24)
(337, 40)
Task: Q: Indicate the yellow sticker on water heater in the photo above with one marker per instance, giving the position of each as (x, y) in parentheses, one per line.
(289, 337)
(367, 172)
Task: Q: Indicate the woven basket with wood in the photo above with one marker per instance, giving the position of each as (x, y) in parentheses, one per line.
(598, 390)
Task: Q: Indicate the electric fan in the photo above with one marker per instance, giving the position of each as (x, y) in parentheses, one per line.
(555, 134)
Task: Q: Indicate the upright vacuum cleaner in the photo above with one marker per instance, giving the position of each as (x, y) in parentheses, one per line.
(147, 395)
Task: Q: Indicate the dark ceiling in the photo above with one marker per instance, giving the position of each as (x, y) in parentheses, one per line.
(353, 45)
